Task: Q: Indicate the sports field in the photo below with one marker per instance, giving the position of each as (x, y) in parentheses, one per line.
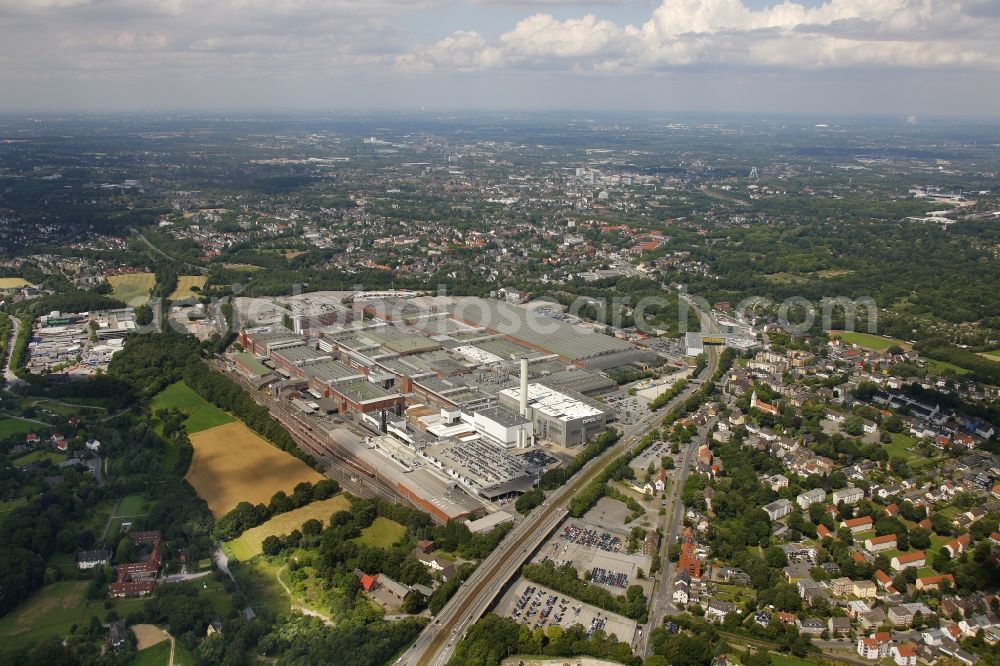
(233, 464)
(201, 414)
(184, 284)
(132, 289)
(869, 341)
(13, 283)
(247, 545)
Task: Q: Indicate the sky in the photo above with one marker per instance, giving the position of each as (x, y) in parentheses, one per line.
(839, 57)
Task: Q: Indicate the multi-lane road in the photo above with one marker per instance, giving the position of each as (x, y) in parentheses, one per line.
(437, 642)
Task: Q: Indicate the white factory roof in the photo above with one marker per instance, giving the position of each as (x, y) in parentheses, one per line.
(553, 403)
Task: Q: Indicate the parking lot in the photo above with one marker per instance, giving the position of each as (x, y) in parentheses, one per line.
(593, 550)
(539, 607)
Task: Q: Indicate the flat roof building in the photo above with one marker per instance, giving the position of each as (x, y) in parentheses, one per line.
(563, 418)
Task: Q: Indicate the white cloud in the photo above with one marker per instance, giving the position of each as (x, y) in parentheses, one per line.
(838, 33)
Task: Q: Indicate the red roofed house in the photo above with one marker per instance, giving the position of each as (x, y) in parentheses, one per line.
(903, 654)
(857, 524)
(823, 531)
(934, 582)
(369, 582)
(958, 546)
(892, 509)
(907, 560)
(880, 543)
(31, 438)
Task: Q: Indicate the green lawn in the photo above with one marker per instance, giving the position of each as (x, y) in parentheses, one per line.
(155, 655)
(10, 505)
(201, 414)
(12, 426)
(382, 533)
(41, 454)
(900, 447)
(131, 505)
(869, 341)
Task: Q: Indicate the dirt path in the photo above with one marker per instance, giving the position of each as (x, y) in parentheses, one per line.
(299, 607)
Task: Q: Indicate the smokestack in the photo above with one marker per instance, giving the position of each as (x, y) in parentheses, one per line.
(524, 387)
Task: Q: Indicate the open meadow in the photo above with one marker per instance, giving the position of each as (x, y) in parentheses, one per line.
(133, 288)
(233, 464)
(184, 284)
(13, 283)
(870, 341)
(248, 544)
(201, 414)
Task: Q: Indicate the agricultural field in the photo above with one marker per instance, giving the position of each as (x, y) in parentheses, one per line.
(382, 533)
(184, 284)
(132, 289)
(201, 414)
(233, 464)
(15, 426)
(248, 544)
(13, 283)
(869, 341)
(993, 355)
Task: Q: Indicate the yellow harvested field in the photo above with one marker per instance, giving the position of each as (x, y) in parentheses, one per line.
(13, 283)
(233, 464)
(248, 544)
(132, 289)
(184, 284)
(148, 635)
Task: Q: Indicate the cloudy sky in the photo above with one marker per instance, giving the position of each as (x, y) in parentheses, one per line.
(904, 57)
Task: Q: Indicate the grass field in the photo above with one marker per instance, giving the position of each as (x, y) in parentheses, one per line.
(184, 284)
(13, 283)
(38, 455)
(900, 446)
(157, 655)
(201, 414)
(233, 464)
(14, 426)
(993, 355)
(132, 289)
(945, 368)
(869, 341)
(382, 533)
(131, 505)
(52, 610)
(247, 545)
(259, 581)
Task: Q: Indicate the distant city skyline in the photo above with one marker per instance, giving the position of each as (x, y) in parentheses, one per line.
(841, 57)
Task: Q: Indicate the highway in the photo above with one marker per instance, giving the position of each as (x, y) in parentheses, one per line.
(437, 642)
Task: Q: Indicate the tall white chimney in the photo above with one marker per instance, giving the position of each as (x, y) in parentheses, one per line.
(524, 387)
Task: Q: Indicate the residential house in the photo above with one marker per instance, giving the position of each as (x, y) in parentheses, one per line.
(864, 589)
(958, 545)
(718, 610)
(849, 495)
(935, 582)
(778, 509)
(860, 524)
(906, 560)
(841, 586)
(839, 626)
(880, 543)
(903, 654)
(810, 497)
